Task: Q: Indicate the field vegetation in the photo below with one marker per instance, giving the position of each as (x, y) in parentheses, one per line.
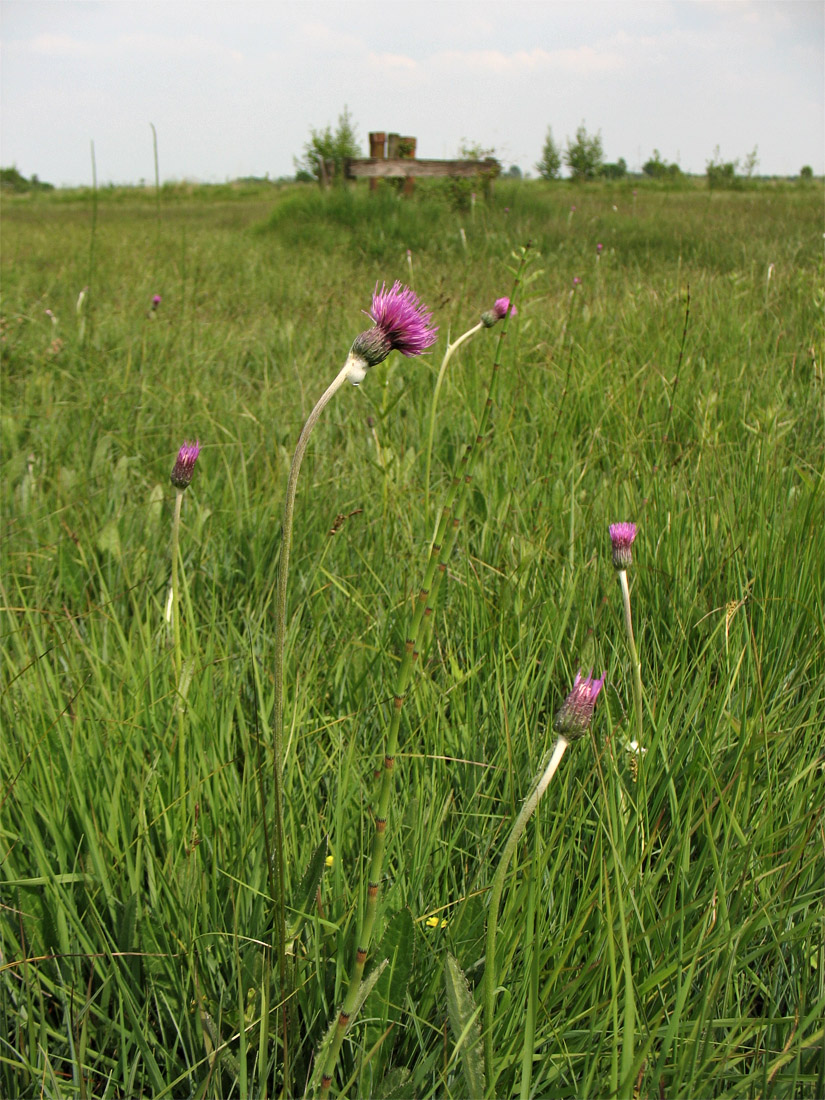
(661, 924)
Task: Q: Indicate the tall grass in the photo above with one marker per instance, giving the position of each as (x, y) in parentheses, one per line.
(661, 934)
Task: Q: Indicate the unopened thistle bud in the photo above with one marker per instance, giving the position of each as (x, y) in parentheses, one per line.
(185, 464)
(499, 311)
(402, 323)
(621, 537)
(573, 717)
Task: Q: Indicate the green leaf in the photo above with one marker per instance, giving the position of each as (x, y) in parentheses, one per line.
(386, 1001)
(464, 1022)
(305, 893)
(108, 539)
(396, 1085)
(364, 991)
(464, 1014)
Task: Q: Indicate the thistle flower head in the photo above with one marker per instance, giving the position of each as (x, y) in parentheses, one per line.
(622, 536)
(402, 323)
(156, 300)
(185, 464)
(500, 309)
(573, 717)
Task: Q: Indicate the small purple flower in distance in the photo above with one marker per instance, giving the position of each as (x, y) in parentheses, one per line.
(156, 300)
(499, 311)
(622, 536)
(576, 280)
(574, 715)
(572, 209)
(599, 246)
(506, 209)
(185, 464)
(402, 323)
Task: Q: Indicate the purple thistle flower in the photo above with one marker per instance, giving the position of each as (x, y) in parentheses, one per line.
(622, 536)
(599, 246)
(156, 300)
(402, 323)
(574, 715)
(500, 309)
(185, 464)
(576, 280)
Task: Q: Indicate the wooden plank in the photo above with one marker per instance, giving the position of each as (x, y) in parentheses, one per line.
(407, 168)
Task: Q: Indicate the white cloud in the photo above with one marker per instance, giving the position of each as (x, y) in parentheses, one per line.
(57, 45)
(393, 64)
(582, 60)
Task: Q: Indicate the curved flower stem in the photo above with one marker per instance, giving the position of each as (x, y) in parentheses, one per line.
(490, 974)
(637, 695)
(415, 643)
(178, 659)
(634, 655)
(278, 710)
(451, 348)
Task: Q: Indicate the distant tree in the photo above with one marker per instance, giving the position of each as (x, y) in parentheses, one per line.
(461, 190)
(659, 169)
(474, 150)
(721, 174)
(584, 156)
(326, 151)
(655, 167)
(550, 164)
(12, 180)
(615, 171)
(806, 172)
(751, 161)
(514, 172)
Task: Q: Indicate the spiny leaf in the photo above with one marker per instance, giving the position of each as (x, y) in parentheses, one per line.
(464, 1014)
(321, 1053)
(396, 1085)
(397, 946)
(304, 896)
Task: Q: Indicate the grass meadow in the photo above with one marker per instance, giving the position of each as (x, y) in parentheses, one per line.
(661, 926)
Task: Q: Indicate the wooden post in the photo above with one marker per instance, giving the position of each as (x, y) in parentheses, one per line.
(378, 141)
(392, 146)
(407, 146)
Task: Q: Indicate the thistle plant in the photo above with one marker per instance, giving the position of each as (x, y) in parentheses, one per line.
(415, 644)
(181, 478)
(501, 309)
(621, 538)
(400, 323)
(571, 723)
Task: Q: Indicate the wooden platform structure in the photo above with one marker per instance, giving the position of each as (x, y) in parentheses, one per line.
(392, 157)
(404, 168)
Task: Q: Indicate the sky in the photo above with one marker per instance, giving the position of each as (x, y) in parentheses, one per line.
(233, 88)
